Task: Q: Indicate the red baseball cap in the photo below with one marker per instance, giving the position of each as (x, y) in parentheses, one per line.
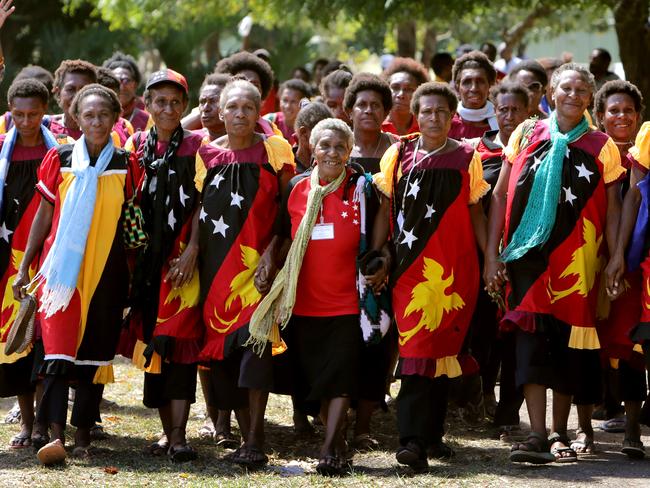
(168, 76)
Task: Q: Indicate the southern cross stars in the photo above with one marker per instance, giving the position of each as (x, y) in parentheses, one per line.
(568, 195)
(236, 199)
(4, 232)
(409, 238)
(220, 226)
(583, 172)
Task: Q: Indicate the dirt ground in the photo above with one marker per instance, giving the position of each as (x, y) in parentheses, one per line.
(481, 460)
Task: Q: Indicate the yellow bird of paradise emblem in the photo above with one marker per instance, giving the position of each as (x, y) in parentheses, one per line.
(8, 301)
(431, 299)
(585, 265)
(242, 286)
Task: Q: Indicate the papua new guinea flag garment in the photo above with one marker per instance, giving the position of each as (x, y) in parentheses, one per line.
(240, 201)
(435, 278)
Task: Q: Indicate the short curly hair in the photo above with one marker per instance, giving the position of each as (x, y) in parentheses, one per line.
(36, 72)
(105, 77)
(244, 60)
(95, 89)
(331, 124)
(298, 85)
(73, 66)
(28, 88)
(336, 79)
(218, 79)
(612, 88)
(434, 88)
(510, 87)
(367, 81)
(126, 61)
(586, 75)
(311, 114)
(474, 60)
(534, 67)
(407, 65)
(241, 85)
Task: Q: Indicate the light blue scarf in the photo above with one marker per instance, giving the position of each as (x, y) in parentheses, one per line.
(8, 149)
(62, 264)
(538, 219)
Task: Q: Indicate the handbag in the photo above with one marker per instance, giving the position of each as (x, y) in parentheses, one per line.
(133, 234)
(21, 334)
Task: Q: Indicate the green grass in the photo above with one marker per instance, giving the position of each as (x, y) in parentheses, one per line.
(480, 461)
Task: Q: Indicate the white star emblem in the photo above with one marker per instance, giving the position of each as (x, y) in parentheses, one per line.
(583, 172)
(414, 189)
(4, 232)
(536, 163)
(182, 195)
(344, 215)
(171, 172)
(216, 181)
(345, 202)
(16, 201)
(236, 199)
(171, 220)
(220, 226)
(430, 212)
(203, 215)
(409, 238)
(355, 207)
(568, 195)
(355, 222)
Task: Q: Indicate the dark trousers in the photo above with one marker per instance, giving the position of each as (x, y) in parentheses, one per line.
(421, 409)
(53, 408)
(510, 397)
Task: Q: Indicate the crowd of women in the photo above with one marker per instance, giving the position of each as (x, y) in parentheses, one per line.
(442, 232)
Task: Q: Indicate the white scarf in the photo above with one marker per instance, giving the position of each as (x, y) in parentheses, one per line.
(479, 114)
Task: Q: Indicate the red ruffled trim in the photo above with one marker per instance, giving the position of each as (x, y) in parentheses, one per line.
(427, 366)
(516, 319)
(186, 351)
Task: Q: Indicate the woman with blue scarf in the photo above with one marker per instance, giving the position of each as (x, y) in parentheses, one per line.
(82, 281)
(21, 151)
(554, 214)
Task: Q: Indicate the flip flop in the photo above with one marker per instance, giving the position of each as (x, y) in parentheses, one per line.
(583, 446)
(535, 452)
(20, 441)
(182, 454)
(52, 453)
(158, 448)
(250, 457)
(226, 441)
(633, 449)
(614, 426)
(329, 466)
(207, 432)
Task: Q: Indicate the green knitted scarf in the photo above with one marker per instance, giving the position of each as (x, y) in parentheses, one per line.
(538, 219)
(274, 311)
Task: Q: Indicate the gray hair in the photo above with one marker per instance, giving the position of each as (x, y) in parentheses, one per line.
(586, 75)
(241, 85)
(331, 124)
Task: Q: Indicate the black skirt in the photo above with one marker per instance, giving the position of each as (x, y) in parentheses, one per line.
(325, 356)
(16, 378)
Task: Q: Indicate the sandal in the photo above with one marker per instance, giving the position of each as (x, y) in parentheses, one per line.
(83, 452)
(510, 434)
(329, 466)
(533, 450)
(614, 426)
(226, 440)
(182, 454)
(52, 453)
(250, 457)
(633, 449)
(440, 450)
(20, 441)
(158, 448)
(583, 445)
(365, 443)
(412, 456)
(97, 433)
(207, 431)
(39, 440)
(563, 454)
(13, 416)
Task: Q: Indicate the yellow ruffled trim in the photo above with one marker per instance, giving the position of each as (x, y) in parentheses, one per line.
(138, 359)
(279, 348)
(448, 366)
(613, 363)
(638, 348)
(12, 358)
(104, 375)
(584, 338)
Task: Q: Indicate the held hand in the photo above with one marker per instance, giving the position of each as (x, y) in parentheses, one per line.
(265, 274)
(181, 270)
(5, 10)
(19, 284)
(379, 280)
(614, 274)
(494, 275)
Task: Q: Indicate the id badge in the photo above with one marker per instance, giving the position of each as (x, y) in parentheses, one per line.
(322, 232)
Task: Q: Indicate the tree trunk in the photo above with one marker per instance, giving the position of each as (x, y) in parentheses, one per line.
(428, 46)
(212, 49)
(513, 36)
(633, 34)
(406, 39)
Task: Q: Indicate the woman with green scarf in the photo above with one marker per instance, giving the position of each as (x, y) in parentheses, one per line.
(554, 214)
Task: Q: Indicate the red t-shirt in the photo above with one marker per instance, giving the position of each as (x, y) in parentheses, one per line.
(327, 282)
(388, 126)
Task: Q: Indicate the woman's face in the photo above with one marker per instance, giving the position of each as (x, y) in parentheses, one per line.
(368, 111)
(331, 153)
(252, 77)
(510, 112)
(166, 105)
(290, 104)
(72, 83)
(530, 81)
(128, 85)
(402, 86)
(434, 116)
(96, 119)
(473, 88)
(572, 96)
(209, 106)
(27, 114)
(239, 113)
(333, 98)
(620, 120)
